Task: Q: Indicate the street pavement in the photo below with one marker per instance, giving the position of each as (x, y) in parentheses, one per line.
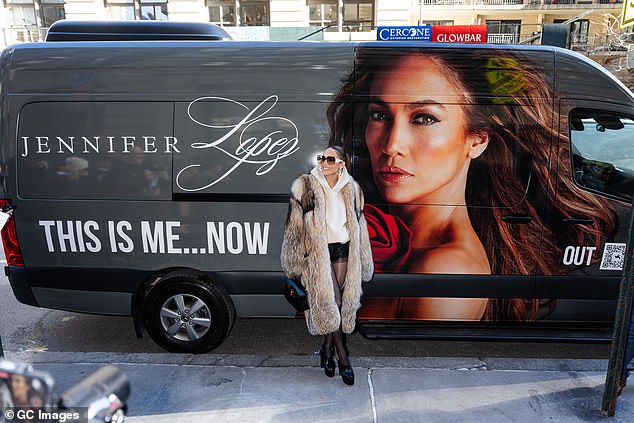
(222, 388)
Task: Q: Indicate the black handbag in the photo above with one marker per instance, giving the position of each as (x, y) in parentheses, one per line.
(296, 294)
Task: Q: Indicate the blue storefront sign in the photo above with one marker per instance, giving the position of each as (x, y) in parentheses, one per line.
(404, 33)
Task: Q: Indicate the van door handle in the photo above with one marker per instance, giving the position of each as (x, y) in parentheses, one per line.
(578, 221)
(520, 219)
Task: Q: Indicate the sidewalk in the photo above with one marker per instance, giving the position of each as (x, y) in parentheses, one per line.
(232, 388)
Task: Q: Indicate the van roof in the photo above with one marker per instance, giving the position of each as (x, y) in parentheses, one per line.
(64, 30)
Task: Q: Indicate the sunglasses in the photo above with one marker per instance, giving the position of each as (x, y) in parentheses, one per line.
(329, 159)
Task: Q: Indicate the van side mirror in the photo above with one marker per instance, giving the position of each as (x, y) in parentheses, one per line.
(608, 122)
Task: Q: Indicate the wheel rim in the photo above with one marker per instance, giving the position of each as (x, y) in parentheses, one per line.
(185, 317)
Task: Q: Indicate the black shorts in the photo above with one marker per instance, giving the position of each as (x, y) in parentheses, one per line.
(338, 251)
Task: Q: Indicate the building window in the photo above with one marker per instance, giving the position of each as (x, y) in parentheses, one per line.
(21, 13)
(130, 10)
(255, 13)
(438, 23)
(358, 15)
(222, 12)
(153, 10)
(503, 32)
(578, 31)
(322, 12)
(30, 18)
(239, 12)
(35, 12)
(121, 9)
(52, 11)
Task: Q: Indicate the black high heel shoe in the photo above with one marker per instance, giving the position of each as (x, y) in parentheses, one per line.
(347, 375)
(327, 362)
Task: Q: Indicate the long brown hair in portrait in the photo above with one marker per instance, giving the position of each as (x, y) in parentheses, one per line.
(521, 124)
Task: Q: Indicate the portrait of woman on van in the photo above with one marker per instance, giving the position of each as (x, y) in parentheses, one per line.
(450, 141)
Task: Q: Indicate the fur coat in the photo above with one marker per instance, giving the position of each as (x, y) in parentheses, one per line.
(305, 254)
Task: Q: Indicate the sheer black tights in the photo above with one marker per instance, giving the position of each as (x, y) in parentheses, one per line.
(336, 340)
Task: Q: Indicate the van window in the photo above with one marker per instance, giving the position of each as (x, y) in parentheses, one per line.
(96, 150)
(602, 152)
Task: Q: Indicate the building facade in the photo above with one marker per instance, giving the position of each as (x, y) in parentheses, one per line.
(593, 22)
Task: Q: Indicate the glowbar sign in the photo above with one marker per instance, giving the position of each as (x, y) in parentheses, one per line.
(404, 33)
(438, 34)
(460, 34)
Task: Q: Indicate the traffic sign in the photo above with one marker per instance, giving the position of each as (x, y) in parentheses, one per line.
(627, 17)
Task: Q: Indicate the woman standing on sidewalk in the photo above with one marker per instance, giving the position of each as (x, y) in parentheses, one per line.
(326, 242)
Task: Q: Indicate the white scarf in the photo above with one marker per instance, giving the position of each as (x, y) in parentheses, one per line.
(335, 206)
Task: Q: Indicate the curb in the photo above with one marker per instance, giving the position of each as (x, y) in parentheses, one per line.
(237, 360)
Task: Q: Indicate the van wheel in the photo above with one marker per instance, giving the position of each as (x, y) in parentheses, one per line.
(187, 313)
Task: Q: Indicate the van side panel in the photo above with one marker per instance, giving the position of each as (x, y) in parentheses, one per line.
(137, 158)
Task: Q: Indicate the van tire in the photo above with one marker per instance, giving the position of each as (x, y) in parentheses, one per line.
(168, 319)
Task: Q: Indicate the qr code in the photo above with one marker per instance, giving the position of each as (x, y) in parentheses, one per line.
(613, 256)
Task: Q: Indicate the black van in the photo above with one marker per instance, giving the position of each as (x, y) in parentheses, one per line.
(151, 179)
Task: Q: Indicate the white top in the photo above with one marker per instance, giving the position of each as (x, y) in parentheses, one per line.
(335, 206)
